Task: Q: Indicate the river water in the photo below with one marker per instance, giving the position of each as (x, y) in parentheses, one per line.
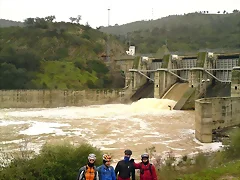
(110, 127)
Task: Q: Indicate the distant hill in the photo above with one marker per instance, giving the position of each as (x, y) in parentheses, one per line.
(188, 32)
(55, 55)
(9, 23)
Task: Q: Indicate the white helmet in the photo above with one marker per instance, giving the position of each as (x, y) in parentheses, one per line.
(92, 156)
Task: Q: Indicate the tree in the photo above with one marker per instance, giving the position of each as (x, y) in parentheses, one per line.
(78, 19)
(87, 24)
(60, 27)
(236, 11)
(41, 23)
(72, 19)
(29, 22)
(54, 162)
(155, 31)
(50, 18)
(162, 51)
(12, 77)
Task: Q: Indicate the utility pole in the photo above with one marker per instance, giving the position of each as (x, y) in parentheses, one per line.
(108, 17)
(108, 46)
(152, 13)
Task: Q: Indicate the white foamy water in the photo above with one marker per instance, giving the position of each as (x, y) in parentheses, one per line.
(107, 112)
(110, 127)
(38, 128)
(7, 123)
(209, 147)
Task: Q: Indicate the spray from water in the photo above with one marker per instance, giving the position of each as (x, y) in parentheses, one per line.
(151, 106)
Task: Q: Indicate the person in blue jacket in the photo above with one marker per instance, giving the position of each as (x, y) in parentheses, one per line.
(106, 171)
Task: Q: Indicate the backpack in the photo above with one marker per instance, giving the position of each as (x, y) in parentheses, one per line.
(150, 167)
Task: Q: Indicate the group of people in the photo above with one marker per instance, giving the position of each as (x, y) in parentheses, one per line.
(125, 169)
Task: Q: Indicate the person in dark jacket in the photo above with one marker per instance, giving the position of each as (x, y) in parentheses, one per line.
(147, 170)
(106, 171)
(125, 168)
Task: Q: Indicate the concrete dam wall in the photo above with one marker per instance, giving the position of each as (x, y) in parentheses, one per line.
(176, 91)
(207, 75)
(215, 113)
(57, 98)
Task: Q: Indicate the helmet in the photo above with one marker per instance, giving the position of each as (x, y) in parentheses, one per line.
(107, 157)
(92, 156)
(128, 152)
(145, 155)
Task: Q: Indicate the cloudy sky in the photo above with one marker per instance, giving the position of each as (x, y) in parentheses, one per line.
(122, 11)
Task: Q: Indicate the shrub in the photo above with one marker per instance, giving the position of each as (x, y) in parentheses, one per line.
(54, 162)
(232, 151)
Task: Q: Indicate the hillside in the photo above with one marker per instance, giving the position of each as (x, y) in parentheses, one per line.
(46, 54)
(190, 32)
(9, 23)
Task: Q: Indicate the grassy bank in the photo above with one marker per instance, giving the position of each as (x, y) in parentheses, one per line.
(224, 164)
(229, 170)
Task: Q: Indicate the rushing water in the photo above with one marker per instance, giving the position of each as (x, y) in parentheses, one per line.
(111, 127)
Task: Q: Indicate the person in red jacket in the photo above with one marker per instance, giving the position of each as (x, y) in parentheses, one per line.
(147, 170)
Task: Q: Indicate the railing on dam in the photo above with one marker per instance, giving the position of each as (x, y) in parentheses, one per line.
(215, 113)
(172, 71)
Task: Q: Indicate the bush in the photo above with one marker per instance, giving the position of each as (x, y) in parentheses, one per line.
(54, 162)
(210, 165)
(232, 151)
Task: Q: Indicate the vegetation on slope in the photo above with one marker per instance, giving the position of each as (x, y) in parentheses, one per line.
(218, 165)
(9, 23)
(54, 162)
(228, 170)
(47, 54)
(190, 32)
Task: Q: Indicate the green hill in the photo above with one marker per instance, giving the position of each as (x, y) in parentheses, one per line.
(190, 32)
(46, 54)
(9, 23)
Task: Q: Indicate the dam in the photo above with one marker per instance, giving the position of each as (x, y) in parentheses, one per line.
(143, 114)
(206, 82)
(181, 78)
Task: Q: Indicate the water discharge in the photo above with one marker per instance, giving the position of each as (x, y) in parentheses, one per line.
(176, 92)
(111, 127)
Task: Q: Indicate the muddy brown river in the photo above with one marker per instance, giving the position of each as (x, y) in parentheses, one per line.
(110, 127)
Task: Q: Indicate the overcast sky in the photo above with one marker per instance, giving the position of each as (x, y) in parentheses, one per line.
(122, 11)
